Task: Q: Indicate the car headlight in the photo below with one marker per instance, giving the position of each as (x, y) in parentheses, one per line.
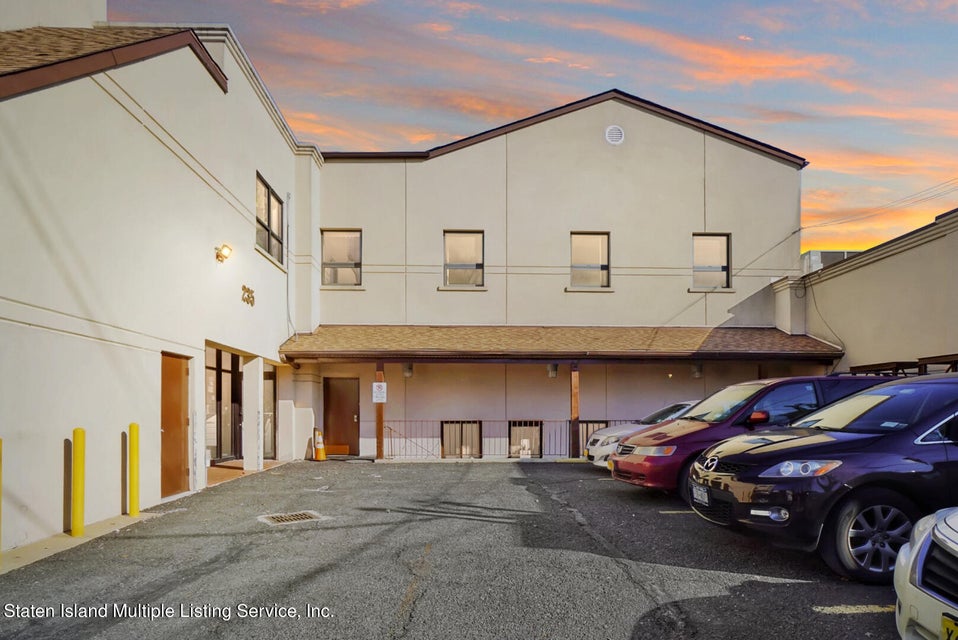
(920, 530)
(801, 469)
(654, 451)
(609, 440)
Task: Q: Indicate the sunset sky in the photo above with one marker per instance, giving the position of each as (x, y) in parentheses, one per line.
(866, 91)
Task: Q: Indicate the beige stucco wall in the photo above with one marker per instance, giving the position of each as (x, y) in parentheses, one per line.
(897, 302)
(114, 191)
(498, 393)
(529, 189)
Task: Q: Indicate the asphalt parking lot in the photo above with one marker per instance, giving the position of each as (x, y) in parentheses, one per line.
(472, 550)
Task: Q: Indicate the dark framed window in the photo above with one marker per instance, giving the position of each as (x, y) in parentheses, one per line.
(342, 257)
(269, 220)
(525, 438)
(461, 438)
(711, 268)
(590, 259)
(463, 263)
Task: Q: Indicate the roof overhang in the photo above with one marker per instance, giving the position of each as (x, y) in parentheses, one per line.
(77, 53)
(518, 344)
(613, 94)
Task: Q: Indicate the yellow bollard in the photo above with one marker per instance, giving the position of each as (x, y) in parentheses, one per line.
(134, 509)
(79, 475)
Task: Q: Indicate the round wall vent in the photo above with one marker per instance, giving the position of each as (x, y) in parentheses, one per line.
(614, 134)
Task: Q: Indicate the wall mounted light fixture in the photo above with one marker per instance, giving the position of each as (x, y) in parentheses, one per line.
(552, 370)
(697, 370)
(407, 370)
(223, 252)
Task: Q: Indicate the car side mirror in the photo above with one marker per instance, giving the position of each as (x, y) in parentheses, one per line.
(757, 417)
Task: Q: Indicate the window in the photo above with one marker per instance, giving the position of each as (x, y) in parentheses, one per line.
(788, 402)
(269, 220)
(710, 261)
(461, 438)
(590, 260)
(463, 264)
(342, 257)
(525, 438)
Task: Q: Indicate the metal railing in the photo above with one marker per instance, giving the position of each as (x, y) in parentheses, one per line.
(422, 439)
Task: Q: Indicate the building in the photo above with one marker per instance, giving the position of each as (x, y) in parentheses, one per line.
(521, 287)
(891, 308)
(133, 158)
(180, 261)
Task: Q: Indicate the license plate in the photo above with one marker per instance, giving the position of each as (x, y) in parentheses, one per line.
(949, 627)
(700, 494)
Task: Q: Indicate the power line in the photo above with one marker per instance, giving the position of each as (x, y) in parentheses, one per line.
(925, 195)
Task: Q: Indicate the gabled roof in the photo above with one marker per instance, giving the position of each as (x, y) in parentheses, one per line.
(613, 94)
(36, 58)
(530, 344)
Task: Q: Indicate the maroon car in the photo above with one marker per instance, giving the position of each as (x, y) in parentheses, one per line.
(660, 458)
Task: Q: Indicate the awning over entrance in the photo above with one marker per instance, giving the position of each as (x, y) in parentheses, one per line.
(385, 343)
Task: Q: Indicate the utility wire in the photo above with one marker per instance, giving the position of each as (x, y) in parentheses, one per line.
(925, 195)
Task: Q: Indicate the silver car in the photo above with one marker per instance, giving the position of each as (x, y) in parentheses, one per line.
(926, 579)
(602, 442)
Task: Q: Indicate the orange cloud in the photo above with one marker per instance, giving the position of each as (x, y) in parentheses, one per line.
(436, 27)
(924, 165)
(322, 6)
(337, 133)
(723, 65)
(943, 121)
(836, 218)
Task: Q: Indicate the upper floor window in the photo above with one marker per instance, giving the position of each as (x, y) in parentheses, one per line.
(269, 220)
(463, 262)
(342, 257)
(590, 260)
(710, 261)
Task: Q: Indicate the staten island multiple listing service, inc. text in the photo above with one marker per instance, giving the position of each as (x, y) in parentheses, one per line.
(240, 611)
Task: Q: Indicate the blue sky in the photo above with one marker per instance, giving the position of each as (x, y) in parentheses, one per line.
(865, 91)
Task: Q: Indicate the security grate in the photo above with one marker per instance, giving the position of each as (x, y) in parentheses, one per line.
(290, 518)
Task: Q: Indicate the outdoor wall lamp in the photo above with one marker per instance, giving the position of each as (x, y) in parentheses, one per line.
(697, 370)
(407, 370)
(223, 252)
(552, 370)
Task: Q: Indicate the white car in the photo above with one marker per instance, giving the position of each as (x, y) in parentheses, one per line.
(603, 442)
(926, 579)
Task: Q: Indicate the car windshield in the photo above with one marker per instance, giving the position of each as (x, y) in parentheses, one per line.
(672, 411)
(722, 404)
(883, 409)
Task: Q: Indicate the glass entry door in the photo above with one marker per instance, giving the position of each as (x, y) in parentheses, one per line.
(224, 405)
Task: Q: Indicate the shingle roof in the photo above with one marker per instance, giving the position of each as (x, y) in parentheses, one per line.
(38, 57)
(395, 342)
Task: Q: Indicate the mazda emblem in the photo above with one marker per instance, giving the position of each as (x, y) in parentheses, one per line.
(711, 463)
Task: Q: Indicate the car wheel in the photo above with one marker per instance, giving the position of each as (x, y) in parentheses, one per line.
(682, 486)
(864, 533)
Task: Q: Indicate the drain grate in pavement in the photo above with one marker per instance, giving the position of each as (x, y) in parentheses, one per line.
(290, 518)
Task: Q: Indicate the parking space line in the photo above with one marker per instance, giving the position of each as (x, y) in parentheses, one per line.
(676, 512)
(857, 608)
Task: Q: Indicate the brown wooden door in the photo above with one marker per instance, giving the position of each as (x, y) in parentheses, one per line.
(341, 416)
(174, 426)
